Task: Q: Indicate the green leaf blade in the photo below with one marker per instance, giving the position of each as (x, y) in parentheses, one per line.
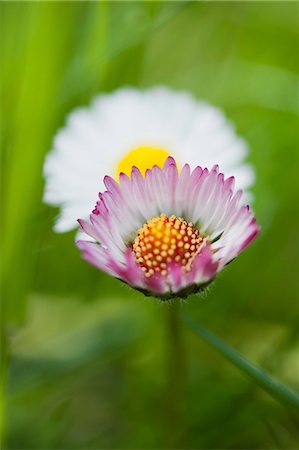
(275, 388)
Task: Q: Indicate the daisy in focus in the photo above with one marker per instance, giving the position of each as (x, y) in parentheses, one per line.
(167, 233)
(131, 127)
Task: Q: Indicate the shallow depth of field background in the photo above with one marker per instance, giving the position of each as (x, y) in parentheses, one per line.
(89, 359)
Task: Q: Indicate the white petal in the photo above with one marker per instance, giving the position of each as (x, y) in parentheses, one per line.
(96, 138)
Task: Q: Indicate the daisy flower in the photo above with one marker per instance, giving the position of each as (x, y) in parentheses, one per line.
(131, 127)
(167, 233)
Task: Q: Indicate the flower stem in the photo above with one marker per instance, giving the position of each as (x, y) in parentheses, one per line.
(175, 388)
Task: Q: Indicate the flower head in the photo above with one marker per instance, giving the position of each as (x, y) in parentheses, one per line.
(167, 233)
(130, 127)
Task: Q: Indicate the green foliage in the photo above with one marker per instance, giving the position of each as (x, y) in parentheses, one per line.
(88, 357)
(279, 391)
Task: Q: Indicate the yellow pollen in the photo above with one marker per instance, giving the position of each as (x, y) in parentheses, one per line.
(155, 252)
(143, 157)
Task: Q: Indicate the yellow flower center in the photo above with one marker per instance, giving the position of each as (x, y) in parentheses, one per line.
(163, 240)
(143, 157)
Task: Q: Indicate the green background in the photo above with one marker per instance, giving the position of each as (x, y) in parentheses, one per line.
(87, 362)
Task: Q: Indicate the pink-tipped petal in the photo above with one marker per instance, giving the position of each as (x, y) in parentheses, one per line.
(254, 231)
(171, 173)
(112, 186)
(176, 277)
(133, 273)
(182, 190)
(156, 284)
(206, 223)
(96, 255)
(89, 229)
(203, 269)
(170, 161)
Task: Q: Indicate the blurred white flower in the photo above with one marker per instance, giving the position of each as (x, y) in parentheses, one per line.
(132, 127)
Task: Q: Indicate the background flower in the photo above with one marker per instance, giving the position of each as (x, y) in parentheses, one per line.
(136, 127)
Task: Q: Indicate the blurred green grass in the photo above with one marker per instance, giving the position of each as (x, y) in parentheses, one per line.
(88, 357)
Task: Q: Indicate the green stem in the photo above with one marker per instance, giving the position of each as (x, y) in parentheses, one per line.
(274, 387)
(175, 377)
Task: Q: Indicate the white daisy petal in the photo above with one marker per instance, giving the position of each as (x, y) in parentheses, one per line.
(96, 139)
